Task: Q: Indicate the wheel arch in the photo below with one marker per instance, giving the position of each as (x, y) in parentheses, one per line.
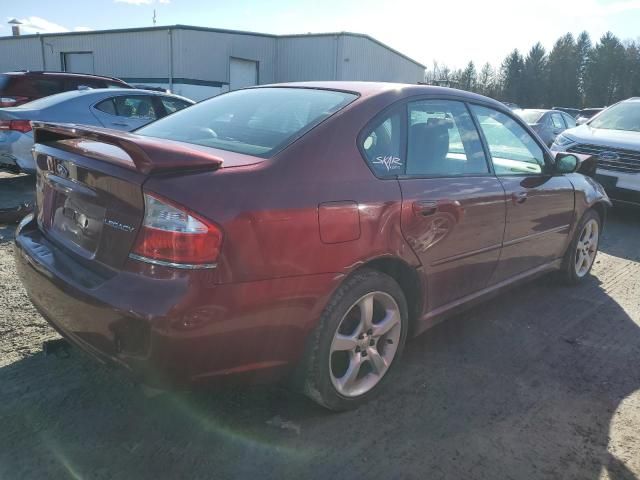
(601, 208)
(407, 278)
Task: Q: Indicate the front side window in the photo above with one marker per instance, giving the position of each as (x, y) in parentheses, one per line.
(513, 150)
(442, 140)
(382, 144)
(256, 121)
(569, 120)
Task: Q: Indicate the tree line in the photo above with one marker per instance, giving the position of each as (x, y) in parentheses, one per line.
(575, 73)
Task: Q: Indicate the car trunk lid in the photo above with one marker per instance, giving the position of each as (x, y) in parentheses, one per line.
(89, 195)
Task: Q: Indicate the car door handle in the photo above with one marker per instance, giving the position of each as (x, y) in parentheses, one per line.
(120, 124)
(519, 197)
(424, 208)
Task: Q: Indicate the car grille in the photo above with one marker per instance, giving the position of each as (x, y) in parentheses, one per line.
(628, 160)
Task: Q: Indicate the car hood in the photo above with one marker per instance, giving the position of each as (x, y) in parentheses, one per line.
(600, 136)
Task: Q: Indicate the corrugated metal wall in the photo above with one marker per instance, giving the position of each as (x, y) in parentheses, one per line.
(125, 54)
(203, 56)
(20, 54)
(306, 58)
(364, 59)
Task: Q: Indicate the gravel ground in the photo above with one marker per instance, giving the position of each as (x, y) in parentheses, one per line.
(539, 383)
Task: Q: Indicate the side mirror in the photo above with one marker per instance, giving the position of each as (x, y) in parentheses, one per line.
(581, 121)
(566, 162)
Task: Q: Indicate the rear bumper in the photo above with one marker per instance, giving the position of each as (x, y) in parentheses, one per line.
(621, 187)
(172, 328)
(15, 150)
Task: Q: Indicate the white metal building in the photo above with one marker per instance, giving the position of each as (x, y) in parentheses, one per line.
(201, 62)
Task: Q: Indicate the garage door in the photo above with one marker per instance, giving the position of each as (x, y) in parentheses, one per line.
(242, 73)
(78, 62)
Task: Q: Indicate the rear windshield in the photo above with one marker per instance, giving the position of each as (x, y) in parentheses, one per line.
(46, 102)
(530, 116)
(29, 86)
(257, 121)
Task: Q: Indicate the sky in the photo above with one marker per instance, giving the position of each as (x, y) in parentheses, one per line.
(451, 32)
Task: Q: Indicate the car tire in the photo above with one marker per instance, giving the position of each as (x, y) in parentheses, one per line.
(581, 253)
(348, 358)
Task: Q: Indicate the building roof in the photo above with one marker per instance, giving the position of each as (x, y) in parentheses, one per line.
(216, 30)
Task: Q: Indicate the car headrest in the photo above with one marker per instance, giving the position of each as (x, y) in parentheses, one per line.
(428, 146)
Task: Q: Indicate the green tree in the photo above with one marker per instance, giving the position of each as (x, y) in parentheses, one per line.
(512, 74)
(604, 81)
(563, 73)
(468, 78)
(535, 77)
(631, 78)
(487, 81)
(583, 53)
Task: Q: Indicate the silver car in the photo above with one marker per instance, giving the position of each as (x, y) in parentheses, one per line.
(613, 137)
(548, 124)
(120, 109)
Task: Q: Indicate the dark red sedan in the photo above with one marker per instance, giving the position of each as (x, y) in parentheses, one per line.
(301, 230)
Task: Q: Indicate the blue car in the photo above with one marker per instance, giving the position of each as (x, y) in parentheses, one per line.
(116, 108)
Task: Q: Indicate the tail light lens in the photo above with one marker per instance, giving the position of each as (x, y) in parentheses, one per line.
(172, 235)
(23, 126)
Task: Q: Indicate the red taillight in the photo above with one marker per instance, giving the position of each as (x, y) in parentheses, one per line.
(12, 101)
(23, 126)
(170, 234)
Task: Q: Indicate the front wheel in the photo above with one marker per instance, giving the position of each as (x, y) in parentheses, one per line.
(357, 342)
(582, 251)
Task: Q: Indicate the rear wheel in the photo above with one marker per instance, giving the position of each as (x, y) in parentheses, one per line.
(582, 252)
(359, 339)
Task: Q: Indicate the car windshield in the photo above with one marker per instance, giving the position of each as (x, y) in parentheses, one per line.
(254, 121)
(623, 116)
(530, 116)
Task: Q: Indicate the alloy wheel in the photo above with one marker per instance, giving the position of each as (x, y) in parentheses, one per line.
(365, 343)
(587, 247)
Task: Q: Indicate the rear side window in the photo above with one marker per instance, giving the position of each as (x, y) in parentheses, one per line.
(381, 145)
(443, 141)
(134, 106)
(257, 121)
(172, 105)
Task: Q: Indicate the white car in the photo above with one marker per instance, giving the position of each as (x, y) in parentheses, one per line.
(613, 136)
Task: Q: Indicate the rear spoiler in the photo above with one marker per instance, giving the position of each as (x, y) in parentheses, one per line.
(143, 154)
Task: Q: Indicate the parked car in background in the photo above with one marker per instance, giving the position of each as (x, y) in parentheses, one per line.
(571, 111)
(17, 88)
(120, 109)
(301, 228)
(511, 105)
(613, 136)
(587, 113)
(547, 123)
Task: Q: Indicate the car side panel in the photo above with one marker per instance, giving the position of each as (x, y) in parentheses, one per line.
(269, 211)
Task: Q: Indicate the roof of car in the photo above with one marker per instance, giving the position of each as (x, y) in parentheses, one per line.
(99, 92)
(370, 89)
(539, 110)
(62, 74)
